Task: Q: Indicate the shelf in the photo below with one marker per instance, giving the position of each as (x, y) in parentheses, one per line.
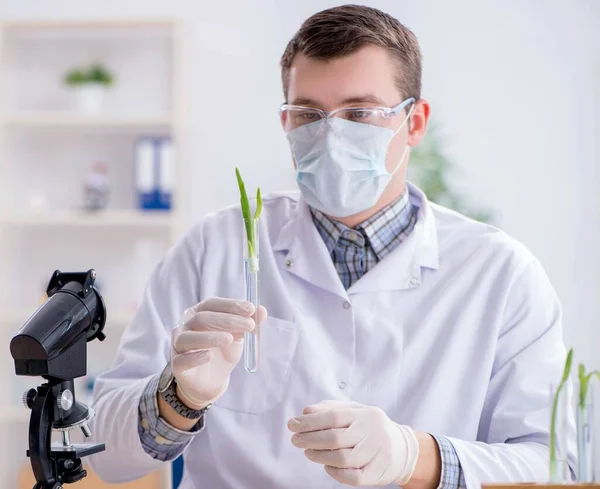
(90, 29)
(73, 120)
(130, 219)
(85, 23)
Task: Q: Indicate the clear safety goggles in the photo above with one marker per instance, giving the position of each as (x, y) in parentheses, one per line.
(295, 116)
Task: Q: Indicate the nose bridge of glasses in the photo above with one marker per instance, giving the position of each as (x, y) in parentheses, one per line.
(327, 118)
(340, 112)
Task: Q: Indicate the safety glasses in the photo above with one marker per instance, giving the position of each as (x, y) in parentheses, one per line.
(296, 116)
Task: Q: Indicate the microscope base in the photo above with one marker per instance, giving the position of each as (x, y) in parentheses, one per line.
(68, 460)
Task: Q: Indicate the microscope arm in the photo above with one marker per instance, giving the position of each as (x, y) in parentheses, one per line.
(40, 434)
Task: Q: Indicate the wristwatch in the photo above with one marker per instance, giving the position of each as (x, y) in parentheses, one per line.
(167, 388)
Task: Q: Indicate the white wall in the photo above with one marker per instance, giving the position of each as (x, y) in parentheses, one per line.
(517, 86)
(514, 84)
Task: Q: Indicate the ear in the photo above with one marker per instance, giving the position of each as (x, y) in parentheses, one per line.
(283, 118)
(418, 122)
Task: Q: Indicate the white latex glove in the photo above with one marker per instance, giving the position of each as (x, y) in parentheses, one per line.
(206, 346)
(358, 445)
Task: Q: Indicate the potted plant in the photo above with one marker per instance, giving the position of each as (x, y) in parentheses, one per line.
(89, 86)
(432, 170)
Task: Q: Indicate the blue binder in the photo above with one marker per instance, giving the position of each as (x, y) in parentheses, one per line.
(151, 171)
(177, 471)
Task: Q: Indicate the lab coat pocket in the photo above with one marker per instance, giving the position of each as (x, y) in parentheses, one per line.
(259, 392)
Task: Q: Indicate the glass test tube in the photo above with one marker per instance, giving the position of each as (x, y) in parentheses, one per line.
(585, 435)
(559, 467)
(251, 254)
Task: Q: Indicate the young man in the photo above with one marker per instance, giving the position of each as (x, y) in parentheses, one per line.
(405, 345)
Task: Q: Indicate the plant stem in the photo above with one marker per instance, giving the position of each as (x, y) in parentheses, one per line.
(553, 436)
(565, 377)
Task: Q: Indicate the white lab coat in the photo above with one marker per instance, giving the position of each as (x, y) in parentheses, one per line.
(457, 332)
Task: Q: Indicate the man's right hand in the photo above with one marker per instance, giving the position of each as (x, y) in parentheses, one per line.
(207, 345)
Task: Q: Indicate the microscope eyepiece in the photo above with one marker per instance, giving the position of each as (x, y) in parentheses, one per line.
(52, 341)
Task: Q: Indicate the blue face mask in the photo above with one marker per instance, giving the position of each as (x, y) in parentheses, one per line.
(341, 163)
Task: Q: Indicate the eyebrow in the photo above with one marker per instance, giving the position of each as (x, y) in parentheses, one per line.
(367, 98)
(304, 101)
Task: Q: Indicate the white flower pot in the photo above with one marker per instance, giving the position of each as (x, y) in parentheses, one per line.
(89, 98)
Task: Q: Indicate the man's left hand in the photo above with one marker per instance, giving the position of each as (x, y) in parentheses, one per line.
(357, 444)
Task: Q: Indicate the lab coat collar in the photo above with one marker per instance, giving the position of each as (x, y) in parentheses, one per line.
(401, 269)
(429, 253)
(306, 255)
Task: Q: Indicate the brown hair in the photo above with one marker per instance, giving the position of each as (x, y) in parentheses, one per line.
(341, 31)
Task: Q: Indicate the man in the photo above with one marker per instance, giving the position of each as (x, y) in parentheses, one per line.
(404, 344)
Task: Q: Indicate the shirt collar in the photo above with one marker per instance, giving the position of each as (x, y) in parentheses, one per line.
(329, 229)
(381, 230)
(301, 251)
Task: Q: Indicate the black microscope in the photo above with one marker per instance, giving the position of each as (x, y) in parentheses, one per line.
(52, 345)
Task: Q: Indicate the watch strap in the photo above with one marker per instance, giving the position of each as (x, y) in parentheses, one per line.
(172, 399)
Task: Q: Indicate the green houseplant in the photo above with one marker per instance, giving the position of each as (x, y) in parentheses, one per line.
(89, 86)
(75, 78)
(96, 74)
(430, 168)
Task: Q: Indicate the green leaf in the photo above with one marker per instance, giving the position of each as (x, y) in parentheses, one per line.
(583, 381)
(243, 195)
(75, 77)
(246, 214)
(567, 369)
(99, 74)
(95, 74)
(259, 204)
(244, 203)
(584, 385)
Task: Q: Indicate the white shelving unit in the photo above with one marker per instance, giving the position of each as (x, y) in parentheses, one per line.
(46, 149)
(73, 121)
(134, 220)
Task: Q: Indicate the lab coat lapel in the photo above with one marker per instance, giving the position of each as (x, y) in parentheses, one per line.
(401, 269)
(303, 253)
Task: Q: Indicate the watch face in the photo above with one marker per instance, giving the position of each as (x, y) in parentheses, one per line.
(166, 377)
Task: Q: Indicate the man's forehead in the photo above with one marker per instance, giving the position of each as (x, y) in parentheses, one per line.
(366, 76)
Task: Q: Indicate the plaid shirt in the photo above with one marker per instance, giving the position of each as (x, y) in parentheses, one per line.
(354, 252)
(159, 439)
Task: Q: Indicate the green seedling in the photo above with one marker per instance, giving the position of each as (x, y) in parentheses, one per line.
(584, 382)
(248, 221)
